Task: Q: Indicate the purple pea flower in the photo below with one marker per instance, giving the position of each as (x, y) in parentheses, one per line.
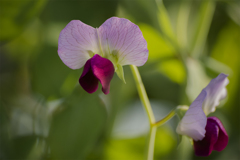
(208, 133)
(102, 51)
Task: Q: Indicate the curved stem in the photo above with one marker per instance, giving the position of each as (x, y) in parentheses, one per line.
(142, 94)
(145, 101)
(165, 119)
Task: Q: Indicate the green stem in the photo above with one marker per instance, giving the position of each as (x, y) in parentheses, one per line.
(165, 119)
(142, 94)
(145, 101)
(151, 142)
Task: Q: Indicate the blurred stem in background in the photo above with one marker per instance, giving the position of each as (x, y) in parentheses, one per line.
(182, 25)
(204, 21)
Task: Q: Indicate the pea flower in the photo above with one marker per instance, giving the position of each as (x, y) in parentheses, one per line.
(102, 51)
(208, 133)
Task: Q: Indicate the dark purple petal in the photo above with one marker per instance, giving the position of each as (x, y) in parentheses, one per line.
(88, 80)
(103, 70)
(215, 138)
(222, 135)
(97, 69)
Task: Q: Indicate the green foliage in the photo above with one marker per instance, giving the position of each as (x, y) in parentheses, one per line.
(164, 21)
(55, 71)
(77, 127)
(134, 148)
(227, 52)
(204, 19)
(45, 114)
(157, 45)
(15, 15)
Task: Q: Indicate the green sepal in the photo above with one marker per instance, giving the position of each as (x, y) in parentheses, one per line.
(120, 72)
(181, 110)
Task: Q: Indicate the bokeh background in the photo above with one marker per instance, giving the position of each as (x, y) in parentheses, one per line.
(45, 114)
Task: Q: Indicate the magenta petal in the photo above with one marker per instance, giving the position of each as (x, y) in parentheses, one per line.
(97, 69)
(215, 138)
(222, 135)
(103, 69)
(205, 146)
(88, 80)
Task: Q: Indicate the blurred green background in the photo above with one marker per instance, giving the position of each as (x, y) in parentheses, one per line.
(45, 114)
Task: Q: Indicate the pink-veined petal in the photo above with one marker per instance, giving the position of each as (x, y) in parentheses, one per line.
(75, 42)
(123, 38)
(216, 91)
(194, 121)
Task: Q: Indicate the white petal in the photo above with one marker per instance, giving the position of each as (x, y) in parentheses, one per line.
(194, 121)
(216, 91)
(123, 38)
(75, 42)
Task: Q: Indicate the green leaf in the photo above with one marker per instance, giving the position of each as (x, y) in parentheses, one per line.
(15, 15)
(234, 11)
(22, 146)
(53, 78)
(119, 149)
(158, 46)
(173, 69)
(134, 148)
(77, 126)
(64, 11)
(162, 52)
(142, 11)
(25, 44)
(227, 51)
